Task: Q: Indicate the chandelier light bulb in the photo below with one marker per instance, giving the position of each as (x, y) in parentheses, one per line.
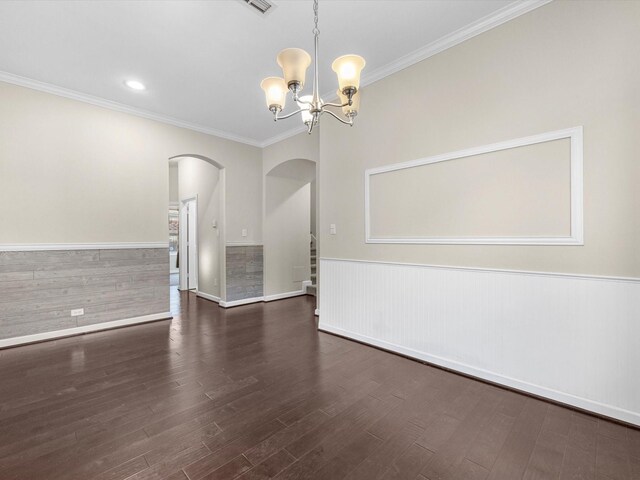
(348, 68)
(275, 91)
(294, 63)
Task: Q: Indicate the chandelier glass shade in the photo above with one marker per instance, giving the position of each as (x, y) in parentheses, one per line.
(294, 63)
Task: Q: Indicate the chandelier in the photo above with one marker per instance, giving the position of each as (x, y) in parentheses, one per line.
(294, 63)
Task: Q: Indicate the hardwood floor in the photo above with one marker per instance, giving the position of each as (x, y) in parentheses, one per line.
(255, 392)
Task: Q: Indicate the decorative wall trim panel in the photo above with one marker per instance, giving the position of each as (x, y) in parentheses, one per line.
(576, 236)
(571, 338)
(31, 247)
(39, 289)
(68, 332)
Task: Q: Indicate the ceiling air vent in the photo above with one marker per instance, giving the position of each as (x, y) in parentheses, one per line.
(261, 6)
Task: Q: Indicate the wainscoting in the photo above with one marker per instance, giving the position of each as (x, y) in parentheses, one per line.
(244, 273)
(114, 286)
(570, 338)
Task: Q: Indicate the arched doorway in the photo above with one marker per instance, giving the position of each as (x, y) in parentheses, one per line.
(289, 228)
(201, 239)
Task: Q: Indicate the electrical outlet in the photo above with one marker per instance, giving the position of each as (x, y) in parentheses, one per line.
(332, 229)
(77, 312)
(244, 232)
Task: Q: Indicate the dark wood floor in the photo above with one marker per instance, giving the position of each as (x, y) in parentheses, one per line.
(256, 392)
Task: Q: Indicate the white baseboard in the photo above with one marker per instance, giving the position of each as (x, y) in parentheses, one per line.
(280, 296)
(244, 301)
(207, 296)
(68, 332)
(174, 271)
(568, 399)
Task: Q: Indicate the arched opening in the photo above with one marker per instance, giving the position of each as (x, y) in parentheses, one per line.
(197, 194)
(289, 229)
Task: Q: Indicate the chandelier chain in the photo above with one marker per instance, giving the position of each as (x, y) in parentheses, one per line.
(315, 18)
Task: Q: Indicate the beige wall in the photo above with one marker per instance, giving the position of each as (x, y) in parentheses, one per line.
(301, 145)
(76, 173)
(518, 192)
(286, 246)
(286, 236)
(200, 178)
(174, 196)
(562, 65)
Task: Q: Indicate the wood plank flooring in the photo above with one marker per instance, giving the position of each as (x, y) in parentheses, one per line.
(255, 392)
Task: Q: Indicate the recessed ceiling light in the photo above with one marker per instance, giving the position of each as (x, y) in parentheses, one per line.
(135, 85)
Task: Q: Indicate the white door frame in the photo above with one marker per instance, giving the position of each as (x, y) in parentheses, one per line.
(184, 261)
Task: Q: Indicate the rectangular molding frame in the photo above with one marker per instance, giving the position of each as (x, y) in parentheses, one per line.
(70, 332)
(480, 323)
(577, 225)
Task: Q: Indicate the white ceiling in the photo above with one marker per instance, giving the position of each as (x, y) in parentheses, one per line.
(202, 61)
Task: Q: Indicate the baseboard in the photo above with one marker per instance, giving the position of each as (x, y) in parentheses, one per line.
(173, 272)
(69, 332)
(280, 296)
(244, 301)
(208, 296)
(561, 397)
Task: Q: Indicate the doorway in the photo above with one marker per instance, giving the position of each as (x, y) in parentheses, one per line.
(189, 244)
(200, 197)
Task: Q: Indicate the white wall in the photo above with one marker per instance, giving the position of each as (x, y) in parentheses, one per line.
(562, 65)
(199, 178)
(88, 174)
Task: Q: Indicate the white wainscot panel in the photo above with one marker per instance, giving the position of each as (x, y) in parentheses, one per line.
(573, 339)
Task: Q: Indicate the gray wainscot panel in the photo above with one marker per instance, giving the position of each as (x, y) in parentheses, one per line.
(38, 289)
(244, 272)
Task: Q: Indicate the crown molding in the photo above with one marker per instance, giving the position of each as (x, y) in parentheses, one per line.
(289, 133)
(120, 107)
(463, 34)
(481, 25)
